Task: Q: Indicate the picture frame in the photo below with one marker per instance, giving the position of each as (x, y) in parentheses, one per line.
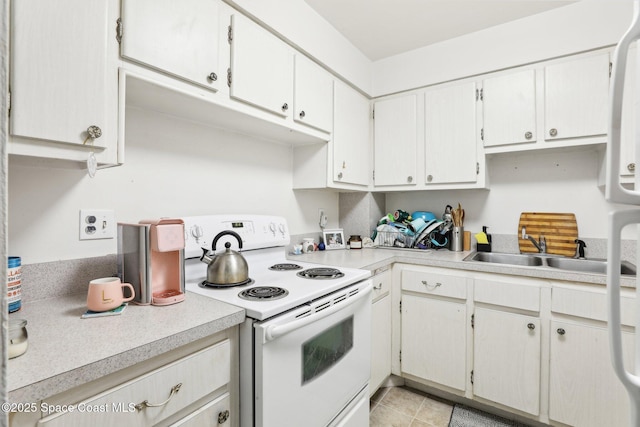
(333, 239)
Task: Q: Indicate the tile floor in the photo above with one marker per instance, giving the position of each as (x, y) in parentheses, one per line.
(405, 407)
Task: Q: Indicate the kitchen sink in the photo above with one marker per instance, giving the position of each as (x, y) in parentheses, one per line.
(551, 261)
(501, 258)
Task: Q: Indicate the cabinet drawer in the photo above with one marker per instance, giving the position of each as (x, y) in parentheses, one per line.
(514, 294)
(434, 284)
(591, 304)
(199, 374)
(381, 284)
(213, 414)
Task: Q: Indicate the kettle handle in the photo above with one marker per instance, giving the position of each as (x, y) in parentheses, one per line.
(224, 233)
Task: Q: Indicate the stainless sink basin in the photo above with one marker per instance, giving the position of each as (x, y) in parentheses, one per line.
(500, 258)
(589, 265)
(550, 261)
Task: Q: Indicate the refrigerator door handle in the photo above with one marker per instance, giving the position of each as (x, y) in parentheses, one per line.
(617, 221)
(614, 191)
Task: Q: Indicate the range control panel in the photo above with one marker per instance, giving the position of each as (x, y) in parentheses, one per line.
(256, 232)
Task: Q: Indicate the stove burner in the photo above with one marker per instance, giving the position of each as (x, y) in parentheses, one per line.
(285, 267)
(205, 284)
(321, 273)
(263, 293)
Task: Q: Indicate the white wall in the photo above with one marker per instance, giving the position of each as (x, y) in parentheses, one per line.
(565, 181)
(173, 168)
(581, 26)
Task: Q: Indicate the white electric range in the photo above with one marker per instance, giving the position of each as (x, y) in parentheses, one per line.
(305, 346)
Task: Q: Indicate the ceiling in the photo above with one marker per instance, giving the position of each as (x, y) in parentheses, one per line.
(383, 28)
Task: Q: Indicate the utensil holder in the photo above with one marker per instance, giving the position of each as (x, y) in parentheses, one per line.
(457, 239)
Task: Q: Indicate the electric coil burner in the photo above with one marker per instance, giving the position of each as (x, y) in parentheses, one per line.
(285, 267)
(321, 273)
(263, 293)
(205, 284)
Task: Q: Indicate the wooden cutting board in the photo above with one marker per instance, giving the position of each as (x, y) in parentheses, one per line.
(559, 229)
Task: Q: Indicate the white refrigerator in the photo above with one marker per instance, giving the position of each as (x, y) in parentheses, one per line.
(625, 216)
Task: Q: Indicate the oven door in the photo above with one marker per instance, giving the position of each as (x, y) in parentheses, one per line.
(311, 362)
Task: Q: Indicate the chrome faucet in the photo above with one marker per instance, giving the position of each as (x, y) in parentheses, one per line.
(541, 245)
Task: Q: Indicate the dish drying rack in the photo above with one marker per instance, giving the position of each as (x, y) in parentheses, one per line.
(401, 240)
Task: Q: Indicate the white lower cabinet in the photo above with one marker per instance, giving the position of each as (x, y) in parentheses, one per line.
(196, 389)
(380, 330)
(506, 359)
(434, 325)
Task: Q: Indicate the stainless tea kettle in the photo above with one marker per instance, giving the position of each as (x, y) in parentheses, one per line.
(228, 268)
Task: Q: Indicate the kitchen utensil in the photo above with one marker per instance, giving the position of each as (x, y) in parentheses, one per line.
(106, 294)
(457, 239)
(559, 229)
(228, 268)
(431, 226)
(425, 215)
(417, 225)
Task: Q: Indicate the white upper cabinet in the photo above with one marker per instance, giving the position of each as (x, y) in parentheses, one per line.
(261, 71)
(509, 108)
(63, 84)
(351, 143)
(396, 140)
(576, 97)
(179, 38)
(450, 135)
(313, 94)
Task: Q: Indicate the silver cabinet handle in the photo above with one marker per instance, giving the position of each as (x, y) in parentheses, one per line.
(429, 178)
(561, 331)
(340, 175)
(631, 167)
(223, 417)
(93, 132)
(213, 77)
(531, 326)
(431, 287)
(378, 287)
(285, 106)
(145, 404)
(528, 135)
(553, 132)
(302, 114)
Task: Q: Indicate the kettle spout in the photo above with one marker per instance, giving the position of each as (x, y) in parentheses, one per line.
(205, 256)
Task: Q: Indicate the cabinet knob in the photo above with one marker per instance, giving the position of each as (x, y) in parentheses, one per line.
(223, 417)
(531, 326)
(285, 106)
(213, 77)
(528, 135)
(93, 132)
(429, 178)
(631, 167)
(340, 175)
(409, 179)
(561, 331)
(302, 114)
(553, 132)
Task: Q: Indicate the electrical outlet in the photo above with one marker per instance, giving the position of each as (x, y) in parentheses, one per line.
(97, 224)
(323, 218)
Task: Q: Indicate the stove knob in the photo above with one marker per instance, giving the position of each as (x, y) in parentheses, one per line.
(272, 227)
(281, 228)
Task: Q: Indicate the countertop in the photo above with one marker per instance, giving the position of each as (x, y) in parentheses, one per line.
(373, 258)
(66, 351)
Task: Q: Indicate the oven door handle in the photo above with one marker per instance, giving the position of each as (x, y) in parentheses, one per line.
(274, 331)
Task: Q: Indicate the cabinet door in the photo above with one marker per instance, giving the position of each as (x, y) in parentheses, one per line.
(180, 38)
(62, 83)
(313, 95)
(351, 144)
(583, 389)
(380, 342)
(434, 340)
(576, 97)
(509, 109)
(213, 414)
(450, 134)
(261, 67)
(395, 141)
(506, 359)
